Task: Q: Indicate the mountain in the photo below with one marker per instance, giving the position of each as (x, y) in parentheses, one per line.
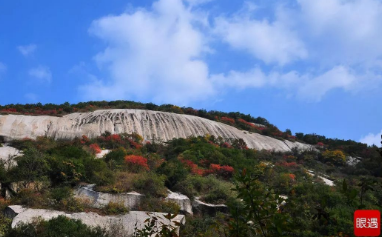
(163, 126)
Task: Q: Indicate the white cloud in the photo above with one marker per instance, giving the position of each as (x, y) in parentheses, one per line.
(310, 48)
(271, 42)
(315, 88)
(41, 73)
(341, 49)
(154, 54)
(26, 50)
(372, 139)
(307, 86)
(254, 78)
(342, 31)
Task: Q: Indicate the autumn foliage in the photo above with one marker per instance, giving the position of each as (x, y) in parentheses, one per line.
(136, 163)
(227, 120)
(95, 148)
(222, 170)
(193, 167)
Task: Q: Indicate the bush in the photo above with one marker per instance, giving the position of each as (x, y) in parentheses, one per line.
(209, 188)
(58, 227)
(94, 148)
(30, 198)
(136, 163)
(159, 205)
(174, 171)
(5, 224)
(114, 208)
(58, 194)
(116, 157)
(150, 184)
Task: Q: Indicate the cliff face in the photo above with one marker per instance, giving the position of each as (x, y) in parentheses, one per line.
(149, 124)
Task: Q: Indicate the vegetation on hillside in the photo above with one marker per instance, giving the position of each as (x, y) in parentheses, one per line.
(268, 193)
(211, 168)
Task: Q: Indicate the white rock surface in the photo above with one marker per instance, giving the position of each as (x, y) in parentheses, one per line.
(182, 200)
(350, 160)
(326, 181)
(102, 153)
(7, 154)
(208, 208)
(149, 124)
(127, 221)
(99, 199)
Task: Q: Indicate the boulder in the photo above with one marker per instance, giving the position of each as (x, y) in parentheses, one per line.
(126, 222)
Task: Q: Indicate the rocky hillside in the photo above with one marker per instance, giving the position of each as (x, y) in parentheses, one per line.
(149, 124)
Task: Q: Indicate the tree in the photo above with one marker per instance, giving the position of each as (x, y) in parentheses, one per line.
(336, 157)
(258, 214)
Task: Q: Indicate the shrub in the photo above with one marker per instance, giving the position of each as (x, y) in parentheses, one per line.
(174, 171)
(116, 158)
(224, 171)
(136, 163)
(60, 226)
(30, 198)
(32, 166)
(158, 205)
(94, 148)
(150, 184)
(114, 208)
(208, 188)
(60, 193)
(5, 224)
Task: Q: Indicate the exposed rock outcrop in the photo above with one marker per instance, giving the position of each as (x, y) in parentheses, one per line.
(126, 222)
(130, 200)
(149, 124)
(207, 208)
(325, 180)
(7, 154)
(182, 200)
(98, 199)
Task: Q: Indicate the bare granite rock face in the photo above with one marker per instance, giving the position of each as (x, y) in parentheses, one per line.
(208, 208)
(98, 199)
(126, 222)
(7, 154)
(149, 124)
(182, 200)
(130, 200)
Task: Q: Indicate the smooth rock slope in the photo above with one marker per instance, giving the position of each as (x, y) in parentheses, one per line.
(127, 221)
(149, 124)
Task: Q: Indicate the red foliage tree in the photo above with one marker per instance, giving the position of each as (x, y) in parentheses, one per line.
(85, 139)
(193, 167)
(292, 177)
(246, 123)
(95, 148)
(224, 171)
(136, 163)
(228, 120)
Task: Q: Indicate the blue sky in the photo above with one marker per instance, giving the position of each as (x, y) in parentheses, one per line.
(311, 66)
